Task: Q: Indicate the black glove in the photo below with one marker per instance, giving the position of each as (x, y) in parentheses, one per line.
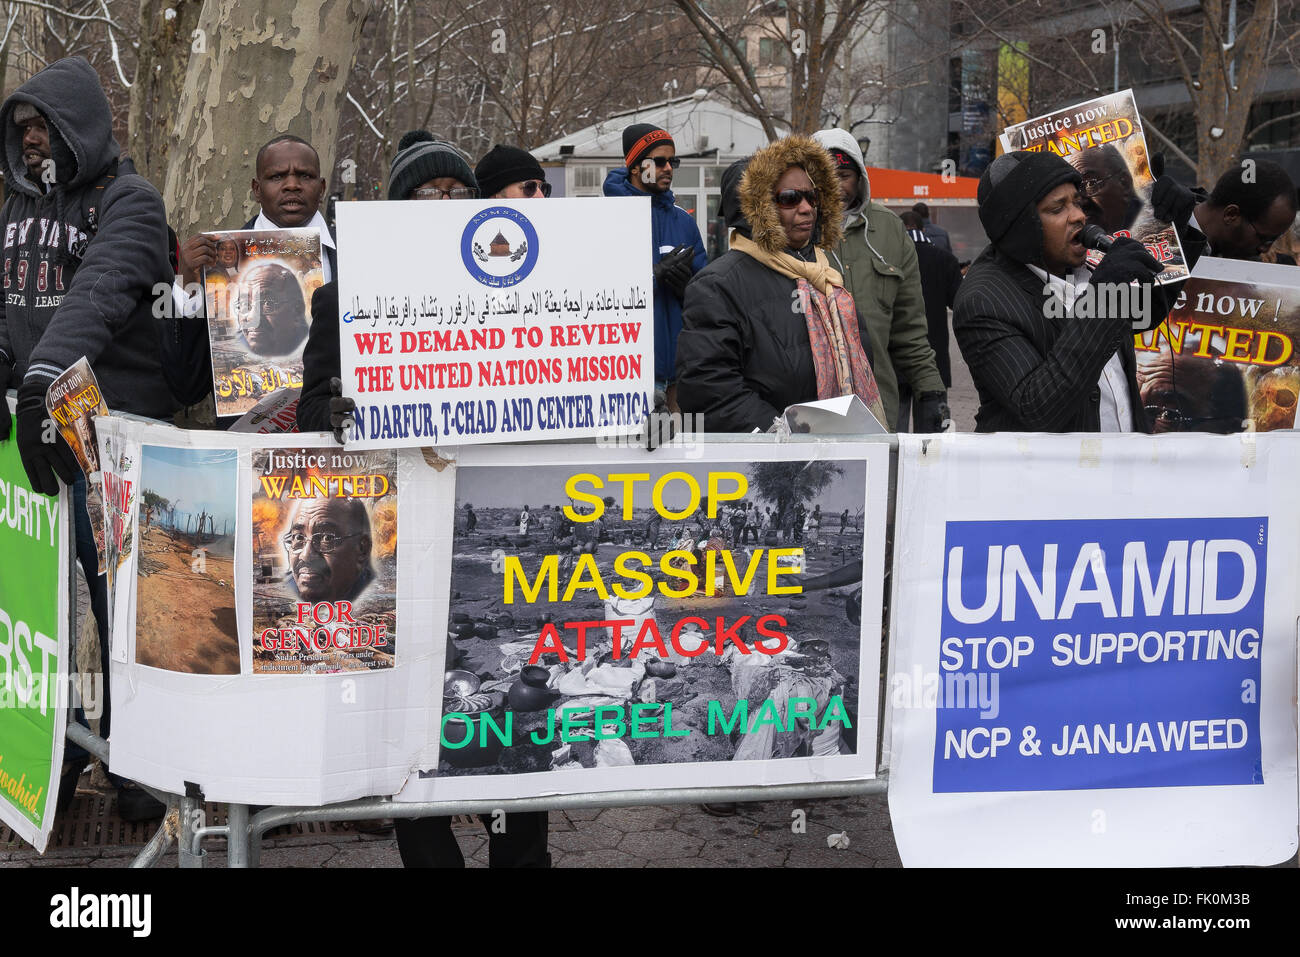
(1125, 261)
(43, 451)
(932, 412)
(6, 420)
(1171, 201)
(674, 269)
(341, 409)
(659, 427)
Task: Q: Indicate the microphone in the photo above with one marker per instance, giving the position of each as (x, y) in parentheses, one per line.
(1094, 237)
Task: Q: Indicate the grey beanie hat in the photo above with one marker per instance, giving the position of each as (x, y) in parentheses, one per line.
(421, 156)
(24, 112)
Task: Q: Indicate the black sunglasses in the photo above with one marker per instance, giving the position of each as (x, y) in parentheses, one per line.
(530, 188)
(791, 198)
(673, 161)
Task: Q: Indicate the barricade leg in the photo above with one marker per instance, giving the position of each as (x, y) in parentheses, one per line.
(237, 841)
(191, 818)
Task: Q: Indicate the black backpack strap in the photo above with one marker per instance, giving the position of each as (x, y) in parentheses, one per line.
(92, 200)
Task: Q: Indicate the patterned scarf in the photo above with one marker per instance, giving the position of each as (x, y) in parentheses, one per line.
(838, 357)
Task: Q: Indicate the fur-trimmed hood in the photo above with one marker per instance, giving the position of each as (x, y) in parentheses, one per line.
(759, 183)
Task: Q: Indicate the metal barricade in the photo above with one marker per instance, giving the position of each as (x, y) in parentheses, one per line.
(244, 834)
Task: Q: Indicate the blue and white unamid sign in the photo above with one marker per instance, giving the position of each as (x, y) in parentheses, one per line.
(1085, 651)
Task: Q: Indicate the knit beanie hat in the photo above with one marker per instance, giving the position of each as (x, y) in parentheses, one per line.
(24, 112)
(421, 156)
(1008, 194)
(504, 165)
(639, 139)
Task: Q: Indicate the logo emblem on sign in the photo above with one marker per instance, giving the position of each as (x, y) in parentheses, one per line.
(499, 246)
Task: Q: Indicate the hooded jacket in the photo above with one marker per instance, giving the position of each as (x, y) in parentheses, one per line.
(880, 268)
(744, 354)
(72, 289)
(670, 227)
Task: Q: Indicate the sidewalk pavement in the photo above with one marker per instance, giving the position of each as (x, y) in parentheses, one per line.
(765, 834)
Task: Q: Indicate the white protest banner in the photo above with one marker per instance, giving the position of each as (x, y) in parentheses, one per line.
(300, 655)
(1093, 647)
(630, 620)
(201, 692)
(471, 322)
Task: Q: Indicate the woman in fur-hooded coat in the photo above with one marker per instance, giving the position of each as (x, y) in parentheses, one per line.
(767, 325)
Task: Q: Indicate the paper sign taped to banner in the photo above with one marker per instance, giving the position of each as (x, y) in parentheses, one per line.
(620, 621)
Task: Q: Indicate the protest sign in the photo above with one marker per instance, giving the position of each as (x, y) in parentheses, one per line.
(258, 297)
(324, 560)
(495, 321)
(618, 621)
(1088, 669)
(190, 702)
(205, 697)
(1224, 360)
(33, 648)
(274, 414)
(73, 400)
(119, 457)
(1102, 138)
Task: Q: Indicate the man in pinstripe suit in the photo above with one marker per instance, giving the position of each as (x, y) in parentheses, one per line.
(1037, 366)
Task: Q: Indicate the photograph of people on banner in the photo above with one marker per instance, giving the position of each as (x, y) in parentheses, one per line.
(610, 616)
(259, 311)
(1103, 139)
(1224, 360)
(324, 560)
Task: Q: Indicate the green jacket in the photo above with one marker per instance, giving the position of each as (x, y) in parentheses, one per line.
(885, 282)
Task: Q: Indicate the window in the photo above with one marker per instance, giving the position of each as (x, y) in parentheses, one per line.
(587, 180)
(765, 55)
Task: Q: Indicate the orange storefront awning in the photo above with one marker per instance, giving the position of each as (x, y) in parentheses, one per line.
(905, 186)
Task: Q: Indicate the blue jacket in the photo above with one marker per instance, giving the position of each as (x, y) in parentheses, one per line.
(670, 227)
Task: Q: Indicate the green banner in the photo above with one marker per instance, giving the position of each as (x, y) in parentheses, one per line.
(31, 535)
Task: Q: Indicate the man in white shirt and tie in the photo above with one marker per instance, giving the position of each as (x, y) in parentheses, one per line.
(288, 187)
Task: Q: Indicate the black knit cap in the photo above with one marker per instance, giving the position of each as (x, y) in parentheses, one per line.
(1008, 194)
(639, 139)
(421, 156)
(504, 165)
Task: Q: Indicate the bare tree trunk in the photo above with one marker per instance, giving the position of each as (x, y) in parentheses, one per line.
(268, 67)
(165, 48)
